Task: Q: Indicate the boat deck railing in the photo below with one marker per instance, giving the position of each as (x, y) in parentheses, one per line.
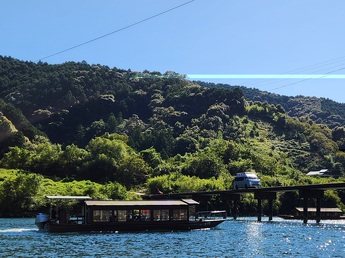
(211, 215)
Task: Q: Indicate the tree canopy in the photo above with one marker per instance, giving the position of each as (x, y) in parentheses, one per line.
(146, 130)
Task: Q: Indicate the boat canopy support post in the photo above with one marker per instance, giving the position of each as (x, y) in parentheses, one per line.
(270, 196)
(306, 194)
(50, 211)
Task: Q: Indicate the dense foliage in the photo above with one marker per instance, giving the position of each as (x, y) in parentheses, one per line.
(22, 193)
(310, 109)
(118, 131)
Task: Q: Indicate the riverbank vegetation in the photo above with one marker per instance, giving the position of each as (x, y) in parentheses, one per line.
(22, 193)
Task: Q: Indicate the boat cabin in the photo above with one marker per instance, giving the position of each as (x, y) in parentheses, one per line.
(67, 209)
(149, 210)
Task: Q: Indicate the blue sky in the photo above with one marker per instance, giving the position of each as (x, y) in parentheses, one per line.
(253, 39)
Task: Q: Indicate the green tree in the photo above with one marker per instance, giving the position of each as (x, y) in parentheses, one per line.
(111, 123)
(109, 146)
(73, 159)
(204, 165)
(338, 135)
(132, 171)
(100, 169)
(114, 191)
(45, 157)
(16, 157)
(16, 194)
(185, 144)
(321, 143)
(151, 157)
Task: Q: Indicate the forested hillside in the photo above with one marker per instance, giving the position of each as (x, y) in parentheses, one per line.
(147, 130)
(317, 110)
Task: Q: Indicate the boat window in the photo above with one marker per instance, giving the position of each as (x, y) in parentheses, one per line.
(136, 215)
(145, 215)
(129, 215)
(179, 214)
(192, 211)
(122, 215)
(160, 215)
(102, 215)
(114, 216)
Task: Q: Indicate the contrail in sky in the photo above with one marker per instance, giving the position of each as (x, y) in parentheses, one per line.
(266, 76)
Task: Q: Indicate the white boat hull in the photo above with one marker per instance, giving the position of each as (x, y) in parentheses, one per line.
(41, 220)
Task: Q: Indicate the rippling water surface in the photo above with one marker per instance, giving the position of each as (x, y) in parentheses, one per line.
(242, 238)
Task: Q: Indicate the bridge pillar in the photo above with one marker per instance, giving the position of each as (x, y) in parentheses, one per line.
(318, 210)
(234, 212)
(306, 194)
(270, 196)
(270, 209)
(259, 209)
(234, 198)
(305, 210)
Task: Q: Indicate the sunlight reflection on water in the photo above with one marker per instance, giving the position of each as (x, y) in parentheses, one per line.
(242, 238)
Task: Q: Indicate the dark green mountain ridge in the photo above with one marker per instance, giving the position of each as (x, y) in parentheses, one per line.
(318, 110)
(72, 103)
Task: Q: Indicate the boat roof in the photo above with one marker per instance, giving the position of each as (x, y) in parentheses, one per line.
(145, 203)
(322, 172)
(190, 201)
(312, 209)
(68, 197)
(212, 212)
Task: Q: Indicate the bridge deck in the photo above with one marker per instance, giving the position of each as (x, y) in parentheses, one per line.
(253, 190)
(269, 193)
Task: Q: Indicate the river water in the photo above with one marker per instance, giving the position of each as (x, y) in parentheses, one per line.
(244, 237)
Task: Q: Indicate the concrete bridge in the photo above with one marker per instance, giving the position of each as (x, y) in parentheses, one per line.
(270, 193)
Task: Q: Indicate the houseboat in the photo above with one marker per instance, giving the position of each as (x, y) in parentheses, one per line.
(124, 216)
(325, 213)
